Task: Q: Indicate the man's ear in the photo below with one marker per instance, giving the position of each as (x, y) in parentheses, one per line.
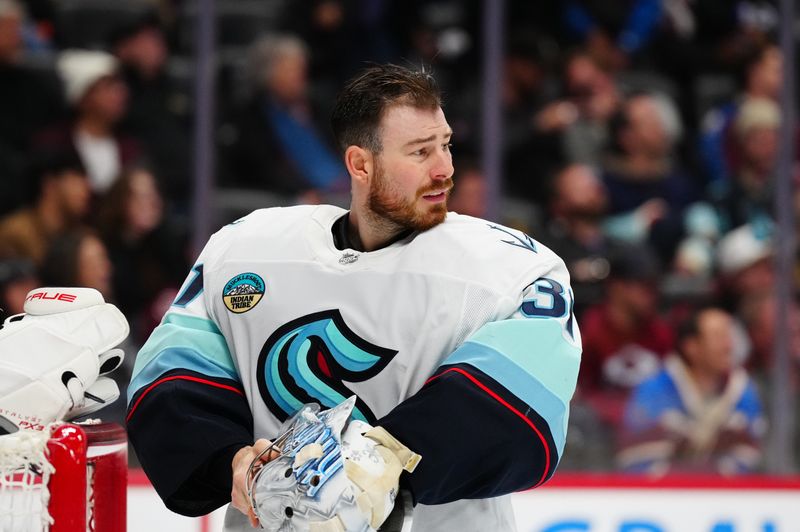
(359, 163)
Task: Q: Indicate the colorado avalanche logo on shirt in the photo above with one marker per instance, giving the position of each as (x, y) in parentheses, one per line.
(243, 292)
(309, 359)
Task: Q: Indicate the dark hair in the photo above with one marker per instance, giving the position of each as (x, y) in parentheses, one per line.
(112, 211)
(13, 269)
(50, 164)
(361, 104)
(634, 262)
(690, 326)
(60, 264)
(133, 26)
(621, 119)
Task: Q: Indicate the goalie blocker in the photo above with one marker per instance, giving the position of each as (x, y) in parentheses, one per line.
(54, 355)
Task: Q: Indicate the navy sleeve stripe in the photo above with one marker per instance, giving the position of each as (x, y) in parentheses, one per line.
(463, 416)
(185, 432)
(178, 377)
(534, 362)
(547, 469)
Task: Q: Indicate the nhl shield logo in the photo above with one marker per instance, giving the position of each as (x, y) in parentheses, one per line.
(243, 292)
(348, 258)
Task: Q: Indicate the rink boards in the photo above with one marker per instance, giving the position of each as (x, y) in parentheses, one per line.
(585, 503)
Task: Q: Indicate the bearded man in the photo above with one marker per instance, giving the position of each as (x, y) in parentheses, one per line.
(454, 334)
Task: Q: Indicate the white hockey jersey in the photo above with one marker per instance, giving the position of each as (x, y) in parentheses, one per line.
(294, 320)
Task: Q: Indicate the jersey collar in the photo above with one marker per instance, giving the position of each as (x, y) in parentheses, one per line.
(341, 234)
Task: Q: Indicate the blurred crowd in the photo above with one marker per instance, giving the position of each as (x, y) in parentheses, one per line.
(640, 142)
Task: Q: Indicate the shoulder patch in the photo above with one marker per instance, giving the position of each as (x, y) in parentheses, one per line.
(243, 292)
(518, 238)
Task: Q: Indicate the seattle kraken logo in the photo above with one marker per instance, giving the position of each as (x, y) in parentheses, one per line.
(309, 359)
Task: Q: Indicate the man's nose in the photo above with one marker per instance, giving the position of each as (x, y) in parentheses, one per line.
(443, 168)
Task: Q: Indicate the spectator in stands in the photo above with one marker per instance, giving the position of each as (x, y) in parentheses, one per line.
(29, 99)
(745, 265)
(570, 129)
(157, 112)
(641, 171)
(595, 97)
(148, 249)
(61, 202)
(469, 192)
(439, 33)
(624, 338)
(759, 315)
(280, 144)
(99, 101)
(694, 260)
(759, 318)
(701, 413)
(761, 78)
(613, 32)
(78, 258)
(339, 35)
(749, 196)
(17, 278)
(469, 196)
(529, 151)
(577, 208)
(728, 32)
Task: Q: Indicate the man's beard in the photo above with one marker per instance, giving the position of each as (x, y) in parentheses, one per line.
(399, 213)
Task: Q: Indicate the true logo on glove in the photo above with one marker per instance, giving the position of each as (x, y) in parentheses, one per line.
(60, 296)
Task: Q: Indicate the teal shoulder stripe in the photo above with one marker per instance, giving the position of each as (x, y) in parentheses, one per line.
(173, 358)
(539, 348)
(192, 322)
(183, 342)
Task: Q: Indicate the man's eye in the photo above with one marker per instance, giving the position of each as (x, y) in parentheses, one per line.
(447, 146)
(421, 151)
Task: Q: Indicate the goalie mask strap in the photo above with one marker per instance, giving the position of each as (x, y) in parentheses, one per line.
(408, 458)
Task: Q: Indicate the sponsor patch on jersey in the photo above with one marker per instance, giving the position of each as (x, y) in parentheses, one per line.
(243, 292)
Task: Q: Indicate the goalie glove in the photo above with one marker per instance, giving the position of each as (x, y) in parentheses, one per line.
(52, 357)
(333, 475)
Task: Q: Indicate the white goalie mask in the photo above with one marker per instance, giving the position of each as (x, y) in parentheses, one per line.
(329, 476)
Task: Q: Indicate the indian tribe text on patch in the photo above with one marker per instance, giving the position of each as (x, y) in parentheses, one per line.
(243, 292)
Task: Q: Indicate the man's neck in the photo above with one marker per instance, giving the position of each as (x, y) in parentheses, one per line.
(351, 232)
(758, 91)
(93, 127)
(708, 383)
